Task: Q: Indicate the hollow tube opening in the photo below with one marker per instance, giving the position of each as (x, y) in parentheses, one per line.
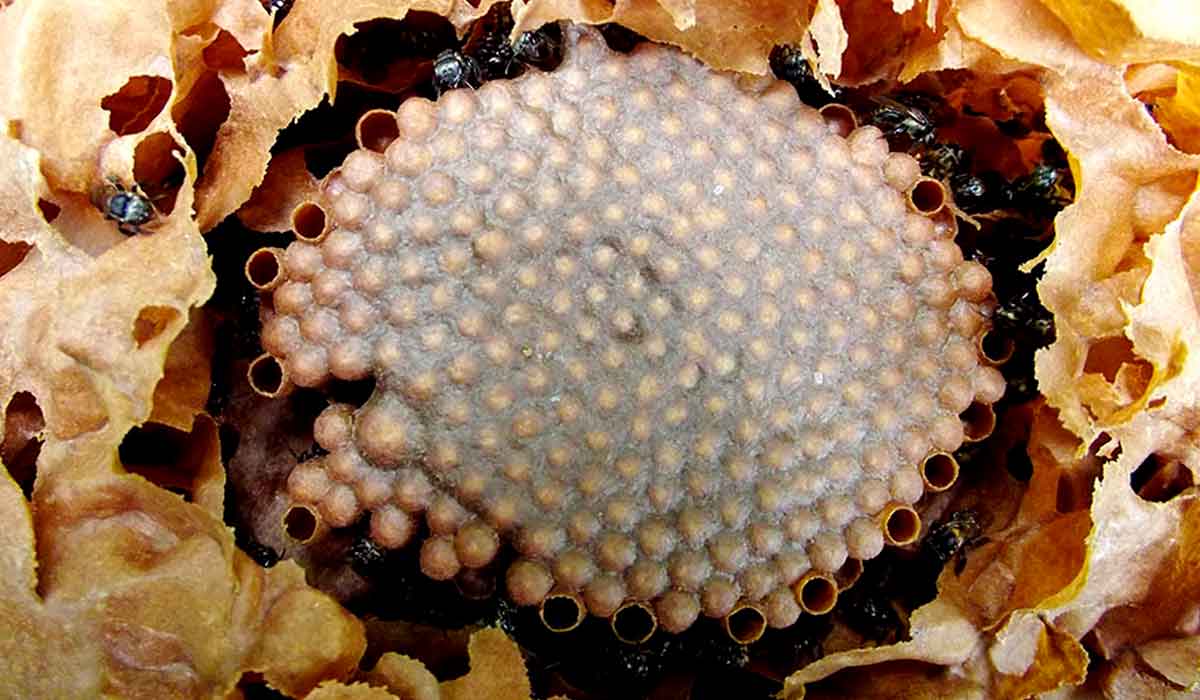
(979, 420)
(901, 526)
(940, 471)
(561, 612)
(377, 129)
(634, 623)
(300, 524)
(927, 196)
(745, 624)
(839, 118)
(817, 594)
(995, 347)
(267, 376)
(263, 268)
(309, 222)
(849, 574)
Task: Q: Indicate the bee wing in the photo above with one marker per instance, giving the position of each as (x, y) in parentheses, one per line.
(101, 193)
(889, 102)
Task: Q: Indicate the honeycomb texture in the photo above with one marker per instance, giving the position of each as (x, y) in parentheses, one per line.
(668, 335)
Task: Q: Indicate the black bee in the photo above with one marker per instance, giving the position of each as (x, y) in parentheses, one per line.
(365, 557)
(130, 208)
(541, 48)
(505, 616)
(452, 69)
(716, 650)
(1044, 190)
(277, 8)
(312, 452)
(488, 45)
(953, 537)
(971, 193)
(262, 555)
(788, 63)
(620, 39)
(1023, 321)
(1024, 312)
(910, 119)
(871, 616)
(942, 161)
(630, 666)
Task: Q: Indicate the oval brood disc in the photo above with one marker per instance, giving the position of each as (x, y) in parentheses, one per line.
(676, 341)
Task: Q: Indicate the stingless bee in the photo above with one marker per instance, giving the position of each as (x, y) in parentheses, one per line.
(129, 207)
(954, 537)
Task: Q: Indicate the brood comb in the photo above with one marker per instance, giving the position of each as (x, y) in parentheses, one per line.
(685, 344)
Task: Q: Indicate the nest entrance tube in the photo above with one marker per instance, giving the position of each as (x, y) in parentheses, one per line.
(901, 525)
(816, 593)
(634, 623)
(377, 129)
(839, 118)
(300, 523)
(267, 377)
(995, 347)
(745, 624)
(561, 612)
(939, 471)
(979, 420)
(927, 196)
(309, 222)
(263, 268)
(849, 574)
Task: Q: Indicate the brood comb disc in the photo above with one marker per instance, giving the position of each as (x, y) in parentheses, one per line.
(677, 342)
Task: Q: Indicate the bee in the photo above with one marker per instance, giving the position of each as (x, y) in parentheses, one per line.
(452, 69)
(715, 650)
(262, 555)
(788, 63)
(942, 161)
(953, 537)
(365, 557)
(626, 665)
(871, 616)
(1044, 190)
(913, 121)
(541, 48)
(1023, 312)
(1021, 319)
(971, 193)
(130, 208)
(488, 45)
(278, 8)
(618, 38)
(311, 452)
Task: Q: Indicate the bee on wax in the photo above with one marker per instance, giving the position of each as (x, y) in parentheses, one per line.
(129, 207)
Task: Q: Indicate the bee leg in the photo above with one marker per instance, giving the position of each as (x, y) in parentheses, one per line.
(961, 558)
(960, 561)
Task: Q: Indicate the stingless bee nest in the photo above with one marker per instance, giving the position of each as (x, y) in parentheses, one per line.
(682, 345)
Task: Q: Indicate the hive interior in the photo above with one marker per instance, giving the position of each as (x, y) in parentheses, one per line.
(668, 335)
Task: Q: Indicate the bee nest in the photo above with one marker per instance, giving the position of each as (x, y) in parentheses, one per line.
(673, 338)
